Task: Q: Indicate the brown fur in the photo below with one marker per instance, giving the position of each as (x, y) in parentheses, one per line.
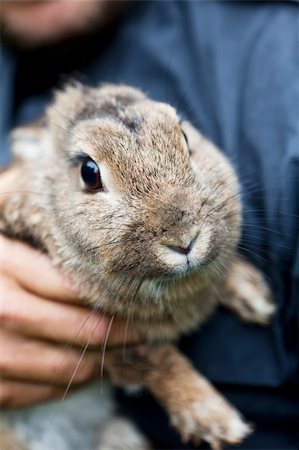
(116, 245)
(196, 409)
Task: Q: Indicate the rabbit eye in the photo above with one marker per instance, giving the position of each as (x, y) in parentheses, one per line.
(185, 137)
(186, 142)
(91, 175)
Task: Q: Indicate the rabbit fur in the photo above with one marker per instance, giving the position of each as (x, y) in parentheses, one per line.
(156, 246)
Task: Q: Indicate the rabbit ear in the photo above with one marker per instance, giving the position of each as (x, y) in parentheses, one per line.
(67, 105)
(30, 142)
(121, 92)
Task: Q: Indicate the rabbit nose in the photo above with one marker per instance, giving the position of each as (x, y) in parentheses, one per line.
(182, 250)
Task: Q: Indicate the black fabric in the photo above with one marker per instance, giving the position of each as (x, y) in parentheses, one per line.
(272, 412)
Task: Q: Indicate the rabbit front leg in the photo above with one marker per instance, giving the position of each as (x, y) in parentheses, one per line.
(196, 409)
(246, 293)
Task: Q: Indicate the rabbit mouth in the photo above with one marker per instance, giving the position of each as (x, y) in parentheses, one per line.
(189, 254)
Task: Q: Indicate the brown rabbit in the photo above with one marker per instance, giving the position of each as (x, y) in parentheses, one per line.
(143, 213)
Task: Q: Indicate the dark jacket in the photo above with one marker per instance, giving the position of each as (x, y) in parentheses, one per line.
(232, 68)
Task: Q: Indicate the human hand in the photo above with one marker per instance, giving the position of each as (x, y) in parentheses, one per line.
(43, 333)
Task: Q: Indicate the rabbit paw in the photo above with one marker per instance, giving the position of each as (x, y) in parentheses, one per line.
(211, 420)
(247, 294)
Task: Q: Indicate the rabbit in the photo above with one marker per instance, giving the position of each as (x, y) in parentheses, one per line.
(143, 213)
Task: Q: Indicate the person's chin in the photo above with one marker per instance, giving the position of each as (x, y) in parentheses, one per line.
(30, 25)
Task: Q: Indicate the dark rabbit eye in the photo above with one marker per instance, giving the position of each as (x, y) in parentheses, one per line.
(186, 141)
(91, 174)
(185, 137)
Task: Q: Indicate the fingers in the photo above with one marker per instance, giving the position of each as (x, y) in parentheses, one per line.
(26, 359)
(41, 338)
(34, 371)
(33, 316)
(16, 394)
(27, 314)
(29, 283)
(34, 271)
